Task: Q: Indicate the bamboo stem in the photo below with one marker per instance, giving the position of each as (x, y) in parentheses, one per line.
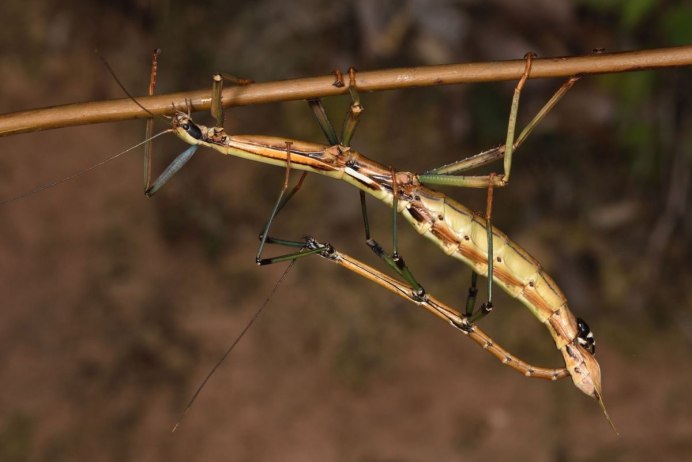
(315, 87)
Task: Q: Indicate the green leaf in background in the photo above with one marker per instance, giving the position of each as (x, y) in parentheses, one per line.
(675, 25)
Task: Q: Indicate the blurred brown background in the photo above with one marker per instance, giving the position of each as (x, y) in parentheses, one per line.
(114, 307)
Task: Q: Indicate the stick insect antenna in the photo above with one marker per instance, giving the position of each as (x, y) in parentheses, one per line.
(233, 344)
(71, 177)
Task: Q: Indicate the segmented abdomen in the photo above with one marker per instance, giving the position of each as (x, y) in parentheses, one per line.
(462, 234)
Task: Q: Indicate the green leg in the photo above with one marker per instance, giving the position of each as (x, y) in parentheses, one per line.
(280, 202)
(351, 120)
(489, 232)
(471, 297)
(216, 88)
(330, 134)
(471, 314)
(443, 175)
(307, 247)
(323, 120)
(505, 150)
(394, 261)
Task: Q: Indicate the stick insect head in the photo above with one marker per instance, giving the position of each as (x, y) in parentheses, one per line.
(183, 126)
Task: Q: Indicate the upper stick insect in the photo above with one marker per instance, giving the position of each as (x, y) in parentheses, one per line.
(454, 228)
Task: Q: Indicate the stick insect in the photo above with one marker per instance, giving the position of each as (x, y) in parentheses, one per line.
(454, 228)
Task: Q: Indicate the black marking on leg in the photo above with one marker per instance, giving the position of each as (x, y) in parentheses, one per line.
(463, 325)
(375, 247)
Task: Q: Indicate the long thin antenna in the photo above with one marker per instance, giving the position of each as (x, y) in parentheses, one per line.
(233, 345)
(51, 184)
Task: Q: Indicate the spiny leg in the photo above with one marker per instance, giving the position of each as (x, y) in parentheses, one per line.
(446, 175)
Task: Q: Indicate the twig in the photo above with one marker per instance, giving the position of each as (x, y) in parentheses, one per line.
(315, 87)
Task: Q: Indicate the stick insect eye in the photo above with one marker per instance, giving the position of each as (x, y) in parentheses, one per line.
(585, 337)
(192, 130)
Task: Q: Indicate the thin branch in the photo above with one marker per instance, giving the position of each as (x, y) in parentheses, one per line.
(315, 87)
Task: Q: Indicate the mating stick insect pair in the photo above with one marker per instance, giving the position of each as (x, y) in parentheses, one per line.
(455, 229)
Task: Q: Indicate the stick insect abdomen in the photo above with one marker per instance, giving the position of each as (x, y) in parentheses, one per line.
(462, 234)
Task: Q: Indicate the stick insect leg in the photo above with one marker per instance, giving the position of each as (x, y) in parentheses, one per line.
(446, 175)
(350, 123)
(150, 121)
(218, 113)
(216, 94)
(349, 128)
(333, 139)
(471, 297)
(470, 313)
(395, 261)
(280, 202)
(354, 110)
(488, 306)
(307, 247)
(439, 309)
